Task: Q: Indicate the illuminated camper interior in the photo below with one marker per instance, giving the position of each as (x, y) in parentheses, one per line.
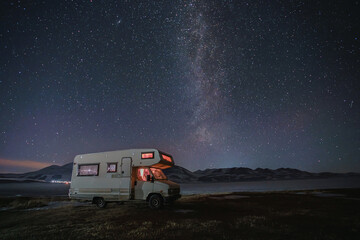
(155, 172)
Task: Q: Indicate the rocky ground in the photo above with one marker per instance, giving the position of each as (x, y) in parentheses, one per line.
(330, 214)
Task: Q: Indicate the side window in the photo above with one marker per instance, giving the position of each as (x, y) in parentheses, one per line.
(111, 167)
(88, 170)
(142, 173)
(147, 155)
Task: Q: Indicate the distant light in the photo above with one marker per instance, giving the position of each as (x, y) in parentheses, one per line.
(60, 181)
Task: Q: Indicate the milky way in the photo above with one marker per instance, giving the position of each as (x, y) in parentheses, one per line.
(206, 74)
(215, 83)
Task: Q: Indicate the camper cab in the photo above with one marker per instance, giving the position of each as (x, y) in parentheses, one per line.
(134, 174)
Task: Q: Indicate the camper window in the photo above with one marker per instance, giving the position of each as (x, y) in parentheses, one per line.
(88, 170)
(147, 155)
(111, 167)
(142, 173)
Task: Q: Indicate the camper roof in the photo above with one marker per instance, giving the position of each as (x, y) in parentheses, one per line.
(140, 157)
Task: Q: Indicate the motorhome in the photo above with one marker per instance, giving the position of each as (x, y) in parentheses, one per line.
(119, 176)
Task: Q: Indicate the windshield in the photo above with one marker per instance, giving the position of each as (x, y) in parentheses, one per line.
(158, 174)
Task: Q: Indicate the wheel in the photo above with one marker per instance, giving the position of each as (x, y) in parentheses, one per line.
(100, 203)
(156, 201)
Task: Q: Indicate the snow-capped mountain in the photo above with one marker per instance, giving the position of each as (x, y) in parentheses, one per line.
(53, 172)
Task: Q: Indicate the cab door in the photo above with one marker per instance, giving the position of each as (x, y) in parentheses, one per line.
(142, 186)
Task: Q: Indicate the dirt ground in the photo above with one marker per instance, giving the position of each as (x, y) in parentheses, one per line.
(331, 214)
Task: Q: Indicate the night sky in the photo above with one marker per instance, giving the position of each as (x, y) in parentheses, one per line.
(214, 83)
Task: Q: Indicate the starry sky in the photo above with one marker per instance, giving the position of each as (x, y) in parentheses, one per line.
(215, 83)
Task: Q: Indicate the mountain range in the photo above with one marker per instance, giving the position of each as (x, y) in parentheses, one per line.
(53, 172)
(182, 175)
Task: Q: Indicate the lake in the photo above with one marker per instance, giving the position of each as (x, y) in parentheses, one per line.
(56, 189)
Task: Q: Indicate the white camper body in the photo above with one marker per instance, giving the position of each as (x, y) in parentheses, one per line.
(124, 175)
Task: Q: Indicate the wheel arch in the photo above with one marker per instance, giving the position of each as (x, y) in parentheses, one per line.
(154, 193)
(93, 201)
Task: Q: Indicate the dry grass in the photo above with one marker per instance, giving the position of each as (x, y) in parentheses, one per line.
(24, 203)
(261, 216)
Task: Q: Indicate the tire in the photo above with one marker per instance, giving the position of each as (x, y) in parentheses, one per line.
(100, 203)
(156, 201)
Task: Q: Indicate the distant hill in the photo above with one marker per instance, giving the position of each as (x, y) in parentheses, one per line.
(238, 174)
(47, 174)
(247, 174)
(182, 175)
